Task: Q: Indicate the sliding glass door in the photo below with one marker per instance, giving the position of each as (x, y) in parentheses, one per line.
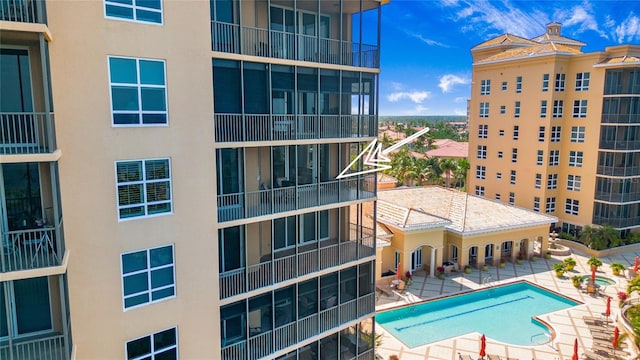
(29, 308)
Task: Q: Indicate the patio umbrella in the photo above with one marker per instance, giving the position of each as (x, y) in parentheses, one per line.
(399, 272)
(607, 312)
(635, 267)
(575, 350)
(616, 335)
(483, 346)
(593, 274)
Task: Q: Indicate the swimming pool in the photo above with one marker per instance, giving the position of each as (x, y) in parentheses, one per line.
(503, 313)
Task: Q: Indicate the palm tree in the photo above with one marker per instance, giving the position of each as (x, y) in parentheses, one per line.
(432, 170)
(634, 285)
(448, 167)
(587, 235)
(385, 140)
(460, 174)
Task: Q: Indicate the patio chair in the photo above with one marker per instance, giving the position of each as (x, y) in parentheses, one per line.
(593, 356)
(464, 357)
(493, 357)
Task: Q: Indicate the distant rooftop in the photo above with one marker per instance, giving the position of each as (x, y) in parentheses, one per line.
(447, 148)
(432, 206)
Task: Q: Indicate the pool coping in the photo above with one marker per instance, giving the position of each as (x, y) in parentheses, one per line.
(460, 293)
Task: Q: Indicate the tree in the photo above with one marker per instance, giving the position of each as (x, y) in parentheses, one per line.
(386, 140)
(634, 285)
(460, 174)
(432, 170)
(448, 167)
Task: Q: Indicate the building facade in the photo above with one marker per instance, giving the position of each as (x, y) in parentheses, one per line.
(553, 129)
(195, 148)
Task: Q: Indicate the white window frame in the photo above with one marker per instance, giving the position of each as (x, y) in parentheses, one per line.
(498, 175)
(580, 108)
(480, 190)
(481, 172)
(504, 86)
(512, 198)
(499, 154)
(550, 205)
(540, 158)
(571, 206)
(484, 109)
(498, 196)
(148, 271)
(575, 158)
(516, 109)
(138, 86)
(554, 157)
(556, 133)
(134, 7)
(519, 84)
(545, 82)
(482, 152)
(512, 177)
(538, 181)
(503, 109)
(558, 109)
(541, 133)
(574, 182)
(582, 81)
(144, 203)
(483, 131)
(485, 87)
(552, 181)
(543, 108)
(577, 134)
(560, 80)
(154, 351)
(514, 155)
(536, 203)
(516, 132)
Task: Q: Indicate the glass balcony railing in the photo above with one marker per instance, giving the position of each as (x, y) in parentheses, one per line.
(241, 128)
(294, 263)
(26, 133)
(27, 11)
(31, 248)
(273, 201)
(290, 46)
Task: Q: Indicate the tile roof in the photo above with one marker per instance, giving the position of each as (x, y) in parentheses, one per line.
(558, 39)
(467, 214)
(539, 49)
(625, 59)
(447, 148)
(385, 178)
(504, 39)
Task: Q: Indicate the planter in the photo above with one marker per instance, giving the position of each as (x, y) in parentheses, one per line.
(519, 262)
(576, 284)
(559, 273)
(441, 276)
(467, 270)
(485, 268)
(502, 265)
(570, 267)
(534, 258)
(615, 272)
(547, 256)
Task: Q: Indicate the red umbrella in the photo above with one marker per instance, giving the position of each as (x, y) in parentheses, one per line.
(616, 335)
(483, 346)
(635, 267)
(399, 272)
(607, 312)
(593, 274)
(575, 350)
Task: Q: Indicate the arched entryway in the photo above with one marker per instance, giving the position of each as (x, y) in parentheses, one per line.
(507, 250)
(488, 254)
(416, 259)
(524, 248)
(473, 256)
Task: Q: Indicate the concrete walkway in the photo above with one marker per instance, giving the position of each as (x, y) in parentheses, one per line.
(568, 324)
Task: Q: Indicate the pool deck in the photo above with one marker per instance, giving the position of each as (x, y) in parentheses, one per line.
(568, 324)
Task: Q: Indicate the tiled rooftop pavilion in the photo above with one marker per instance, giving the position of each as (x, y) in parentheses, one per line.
(568, 324)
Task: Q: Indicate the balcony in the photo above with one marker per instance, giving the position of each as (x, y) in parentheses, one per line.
(50, 346)
(620, 170)
(616, 221)
(242, 128)
(31, 249)
(26, 133)
(285, 45)
(26, 11)
(267, 342)
(615, 196)
(625, 118)
(273, 201)
(288, 265)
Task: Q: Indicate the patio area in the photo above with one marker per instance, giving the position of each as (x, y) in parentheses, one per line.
(568, 324)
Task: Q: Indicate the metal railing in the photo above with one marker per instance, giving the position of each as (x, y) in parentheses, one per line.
(273, 201)
(48, 347)
(26, 133)
(290, 46)
(28, 11)
(619, 170)
(237, 351)
(620, 145)
(285, 336)
(260, 345)
(243, 128)
(31, 249)
(256, 276)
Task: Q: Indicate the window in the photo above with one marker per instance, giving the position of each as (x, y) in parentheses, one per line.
(577, 134)
(481, 172)
(483, 131)
(571, 206)
(551, 205)
(497, 196)
(500, 132)
(536, 203)
(519, 84)
(516, 109)
(575, 158)
(143, 11)
(514, 155)
(512, 180)
(538, 181)
(540, 157)
(560, 82)
(545, 82)
(499, 175)
(162, 345)
(558, 108)
(148, 276)
(144, 187)
(556, 133)
(479, 190)
(580, 108)
(504, 86)
(499, 154)
(582, 81)
(554, 157)
(512, 198)
(485, 87)
(482, 152)
(552, 181)
(484, 109)
(503, 109)
(573, 182)
(138, 91)
(541, 133)
(516, 132)
(543, 108)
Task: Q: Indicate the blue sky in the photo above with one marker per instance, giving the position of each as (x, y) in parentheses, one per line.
(426, 59)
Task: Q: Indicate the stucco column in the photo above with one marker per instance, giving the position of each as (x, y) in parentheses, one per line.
(544, 244)
(463, 258)
(439, 254)
(432, 268)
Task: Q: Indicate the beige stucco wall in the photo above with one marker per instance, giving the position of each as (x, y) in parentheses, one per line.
(82, 40)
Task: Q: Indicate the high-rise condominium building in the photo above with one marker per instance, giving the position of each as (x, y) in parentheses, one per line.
(169, 179)
(557, 130)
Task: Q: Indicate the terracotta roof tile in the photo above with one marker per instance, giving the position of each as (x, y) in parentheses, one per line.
(540, 49)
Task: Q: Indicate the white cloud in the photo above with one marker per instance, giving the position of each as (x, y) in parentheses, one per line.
(447, 82)
(628, 30)
(415, 96)
(425, 40)
(460, 99)
(460, 112)
(581, 16)
(483, 16)
(397, 86)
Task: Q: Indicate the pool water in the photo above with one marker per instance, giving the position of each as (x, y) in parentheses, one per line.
(503, 313)
(600, 280)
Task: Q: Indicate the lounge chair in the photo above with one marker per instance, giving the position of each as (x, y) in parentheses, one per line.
(493, 357)
(464, 357)
(593, 356)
